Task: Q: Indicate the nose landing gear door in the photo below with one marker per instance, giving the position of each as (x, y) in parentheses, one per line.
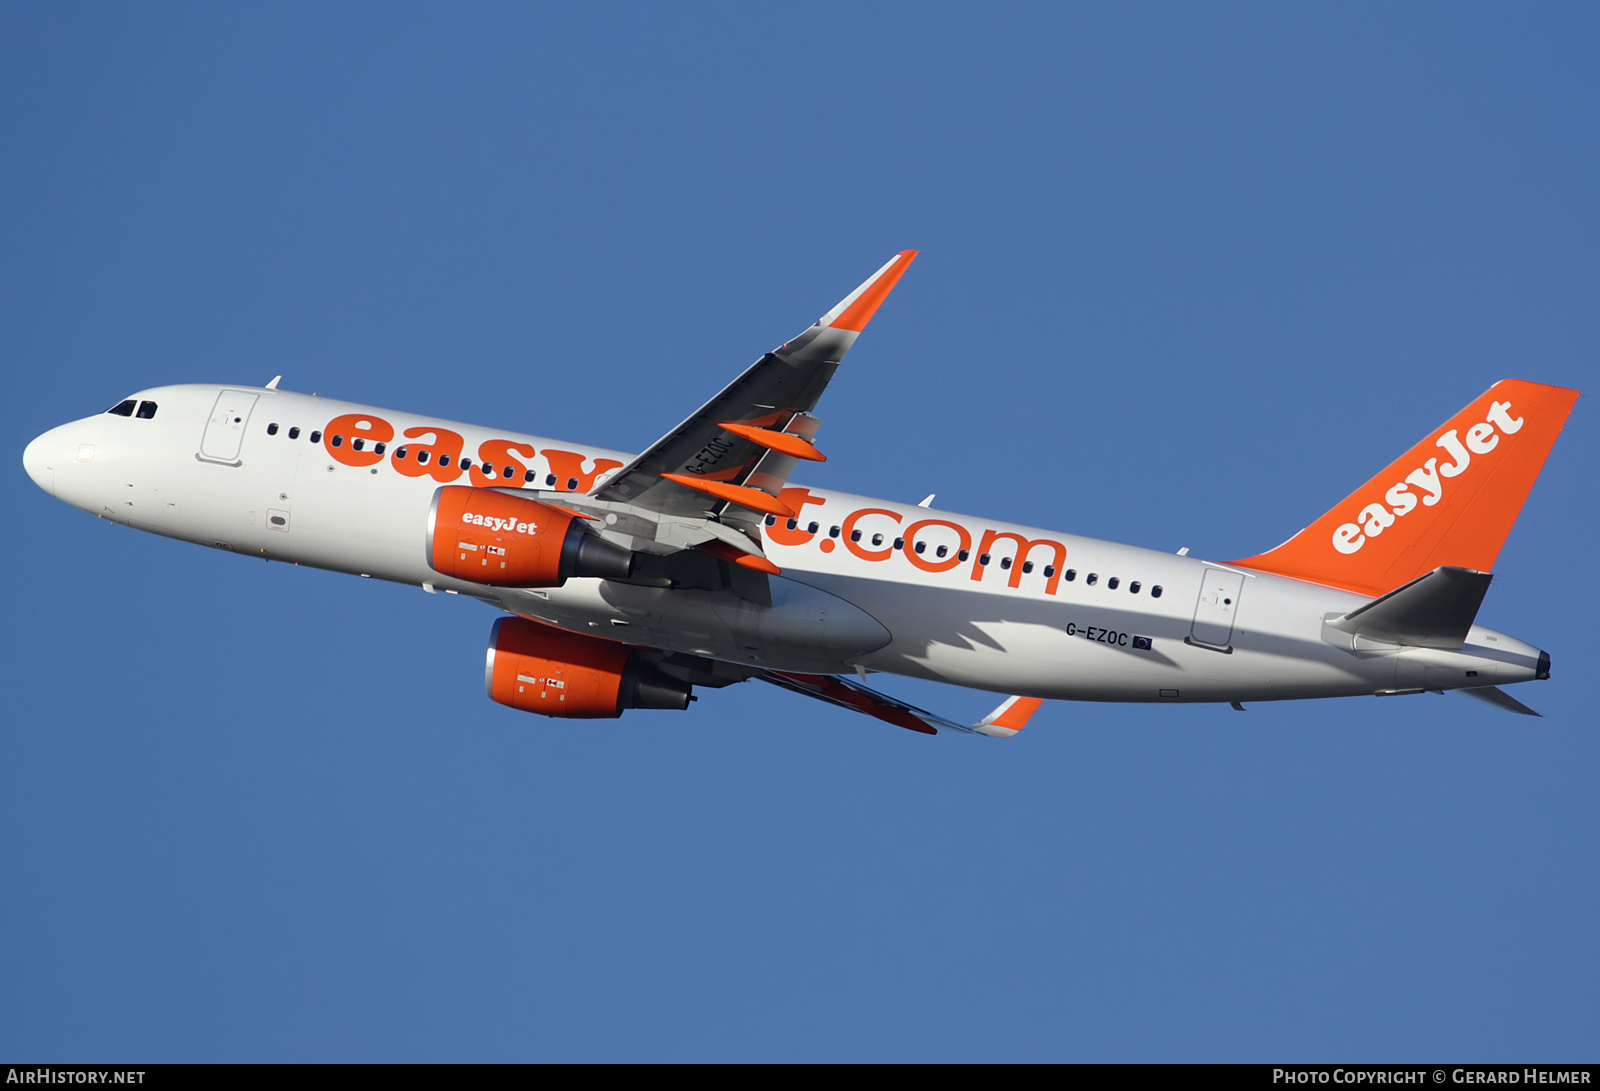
(225, 430)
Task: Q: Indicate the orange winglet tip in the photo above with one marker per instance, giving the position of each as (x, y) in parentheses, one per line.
(870, 296)
(1010, 718)
(782, 442)
(740, 558)
(743, 495)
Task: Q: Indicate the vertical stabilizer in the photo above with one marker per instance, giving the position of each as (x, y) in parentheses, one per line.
(1449, 501)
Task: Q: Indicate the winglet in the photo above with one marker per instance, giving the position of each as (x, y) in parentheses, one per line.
(1011, 717)
(855, 310)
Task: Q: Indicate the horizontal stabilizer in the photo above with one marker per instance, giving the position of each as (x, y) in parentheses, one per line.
(1433, 611)
(1499, 698)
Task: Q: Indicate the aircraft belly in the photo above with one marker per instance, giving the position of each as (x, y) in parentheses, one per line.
(1087, 649)
(804, 630)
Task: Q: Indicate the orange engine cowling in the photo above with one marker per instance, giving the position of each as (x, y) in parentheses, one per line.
(538, 668)
(492, 537)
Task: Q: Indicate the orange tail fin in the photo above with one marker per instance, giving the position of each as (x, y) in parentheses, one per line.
(1450, 500)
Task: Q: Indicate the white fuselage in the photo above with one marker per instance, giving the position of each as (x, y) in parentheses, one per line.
(1073, 618)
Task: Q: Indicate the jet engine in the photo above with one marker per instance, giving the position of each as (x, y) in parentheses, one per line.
(492, 537)
(539, 668)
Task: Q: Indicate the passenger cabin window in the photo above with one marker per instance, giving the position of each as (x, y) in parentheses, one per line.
(941, 551)
(508, 473)
(527, 478)
(920, 546)
(1050, 570)
(466, 463)
(272, 429)
(572, 484)
(772, 520)
(337, 441)
(1112, 583)
(833, 532)
(1069, 575)
(792, 524)
(1091, 579)
(983, 558)
(1155, 592)
(422, 458)
(550, 480)
(1005, 562)
(359, 444)
(877, 539)
(294, 433)
(812, 529)
(899, 543)
(123, 409)
(444, 460)
(961, 554)
(316, 435)
(377, 449)
(1133, 588)
(147, 410)
(1027, 566)
(400, 452)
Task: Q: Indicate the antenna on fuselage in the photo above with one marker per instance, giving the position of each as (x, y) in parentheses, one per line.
(273, 385)
(926, 500)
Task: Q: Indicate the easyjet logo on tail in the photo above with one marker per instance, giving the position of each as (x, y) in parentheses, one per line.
(1428, 478)
(1450, 500)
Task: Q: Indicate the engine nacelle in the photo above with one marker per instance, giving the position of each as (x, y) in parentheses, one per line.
(488, 536)
(538, 668)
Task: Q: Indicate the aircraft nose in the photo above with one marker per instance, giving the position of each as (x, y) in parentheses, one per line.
(37, 460)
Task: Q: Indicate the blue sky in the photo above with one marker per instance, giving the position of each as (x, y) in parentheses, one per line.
(1187, 277)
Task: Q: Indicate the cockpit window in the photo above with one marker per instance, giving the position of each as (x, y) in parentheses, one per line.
(147, 410)
(123, 409)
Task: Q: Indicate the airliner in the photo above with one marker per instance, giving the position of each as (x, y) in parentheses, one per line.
(625, 581)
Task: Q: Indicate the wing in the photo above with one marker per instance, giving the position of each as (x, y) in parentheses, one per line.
(1011, 717)
(729, 461)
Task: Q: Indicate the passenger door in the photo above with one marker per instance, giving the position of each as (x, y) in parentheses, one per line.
(1217, 607)
(225, 430)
